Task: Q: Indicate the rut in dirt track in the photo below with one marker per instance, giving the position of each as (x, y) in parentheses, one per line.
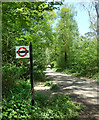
(81, 90)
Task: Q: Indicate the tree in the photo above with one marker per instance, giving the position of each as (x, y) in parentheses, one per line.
(24, 22)
(90, 9)
(66, 32)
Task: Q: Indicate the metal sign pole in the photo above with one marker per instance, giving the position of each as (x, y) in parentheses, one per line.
(31, 75)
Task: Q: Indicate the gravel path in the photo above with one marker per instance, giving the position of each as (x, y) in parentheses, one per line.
(80, 90)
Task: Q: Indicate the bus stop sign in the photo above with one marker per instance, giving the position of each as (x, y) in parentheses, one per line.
(22, 52)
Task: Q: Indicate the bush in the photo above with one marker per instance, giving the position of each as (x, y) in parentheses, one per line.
(15, 109)
(96, 76)
(54, 87)
(39, 75)
(56, 107)
(17, 105)
(10, 75)
(48, 83)
(53, 64)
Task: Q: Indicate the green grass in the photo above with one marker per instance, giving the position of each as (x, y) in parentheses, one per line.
(76, 72)
(53, 87)
(96, 77)
(16, 104)
(56, 107)
(48, 83)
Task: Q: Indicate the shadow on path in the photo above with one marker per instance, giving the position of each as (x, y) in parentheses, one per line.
(80, 90)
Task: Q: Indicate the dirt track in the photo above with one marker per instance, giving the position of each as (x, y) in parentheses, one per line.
(80, 90)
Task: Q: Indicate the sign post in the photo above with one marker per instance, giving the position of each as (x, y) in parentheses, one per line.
(31, 69)
(26, 52)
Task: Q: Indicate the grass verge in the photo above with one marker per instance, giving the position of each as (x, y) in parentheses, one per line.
(75, 72)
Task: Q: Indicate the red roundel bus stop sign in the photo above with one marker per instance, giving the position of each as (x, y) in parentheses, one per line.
(22, 51)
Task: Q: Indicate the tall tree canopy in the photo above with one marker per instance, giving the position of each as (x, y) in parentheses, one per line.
(25, 22)
(67, 32)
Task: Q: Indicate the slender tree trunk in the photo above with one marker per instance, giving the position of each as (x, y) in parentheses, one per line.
(65, 58)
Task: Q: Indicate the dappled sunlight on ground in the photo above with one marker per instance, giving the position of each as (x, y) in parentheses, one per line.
(81, 90)
(41, 87)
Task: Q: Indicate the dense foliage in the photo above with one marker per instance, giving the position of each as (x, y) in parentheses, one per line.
(17, 105)
(72, 51)
(66, 33)
(24, 23)
(63, 47)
